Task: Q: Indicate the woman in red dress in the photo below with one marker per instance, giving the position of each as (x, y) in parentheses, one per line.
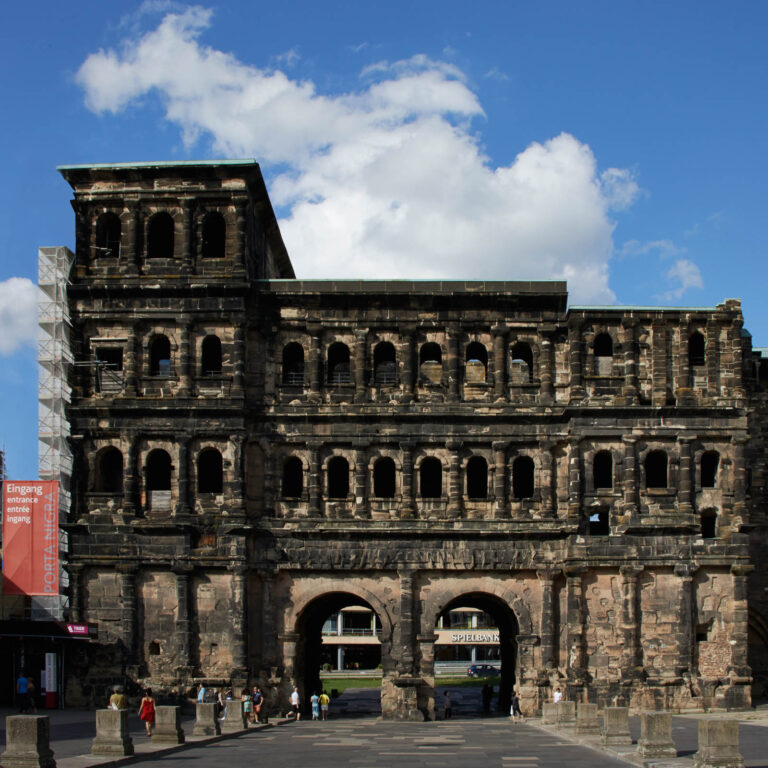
(147, 711)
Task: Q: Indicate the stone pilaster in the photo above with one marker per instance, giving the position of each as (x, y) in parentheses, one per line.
(315, 362)
(547, 392)
(361, 337)
(499, 362)
(739, 480)
(271, 478)
(183, 504)
(712, 359)
(314, 485)
(267, 622)
(630, 479)
(547, 628)
(239, 573)
(405, 665)
(361, 476)
(547, 480)
(239, 475)
(186, 359)
(686, 479)
(686, 618)
(500, 480)
(574, 479)
(183, 573)
(575, 360)
(629, 347)
(408, 508)
(127, 585)
(131, 363)
(659, 363)
(188, 236)
(133, 242)
(739, 666)
(238, 359)
(575, 623)
(241, 210)
(629, 621)
(454, 479)
(452, 332)
(406, 362)
(131, 482)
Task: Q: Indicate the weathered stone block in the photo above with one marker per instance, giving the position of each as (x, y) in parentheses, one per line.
(27, 742)
(656, 735)
(234, 719)
(616, 726)
(549, 713)
(586, 719)
(206, 722)
(168, 728)
(112, 737)
(566, 713)
(718, 745)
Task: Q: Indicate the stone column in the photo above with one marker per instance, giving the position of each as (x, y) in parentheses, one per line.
(408, 508)
(314, 363)
(499, 362)
(238, 501)
(629, 621)
(659, 363)
(132, 372)
(268, 621)
(239, 573)
(739, 670)
(314, 483)
(127, 585)
(629, 344)
(454, 479)
(452, 332)
(133, 240)
(574, 479)
(183, 572)
(405, 667)
(361, 473)
(686, 478)
(713, 357)
(238, 358)
(186, 360)
(240, 225)
(188, 235)
(546, 376)
(500, 479)
(547, 491)
(361, 337)
(575, 623)
(406, 362)
(574, 357)
(686, 618)
(271, 477)
(547, 629)
(630, 479)
(131, 492)
(183, 506)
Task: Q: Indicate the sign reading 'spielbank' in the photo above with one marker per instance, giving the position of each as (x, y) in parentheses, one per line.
(30, 538)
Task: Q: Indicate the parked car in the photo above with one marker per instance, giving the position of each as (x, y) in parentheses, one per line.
(482, 670)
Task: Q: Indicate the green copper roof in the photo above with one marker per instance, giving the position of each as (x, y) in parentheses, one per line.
(159, 164)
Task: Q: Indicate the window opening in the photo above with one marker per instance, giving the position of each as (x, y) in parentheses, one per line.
(656, 470)
(338, 364)
(108, 236)
(602, 467)
(696, 347)
(159, 480)
(476, 363)
(477, 478)
(210, 471)
(522, 477)
(211, 356)
(293, 364)
(109, 472)
(338, 478)
(431, 363)
(709, 464)
(109, 369)
(384, 364)
(160, 237)
(599, 523)
(293, 478)
(603, 354)
(521, 367)
(160, 357)
(431, 478)
(384, 478)
(214, 236)
(708, 524)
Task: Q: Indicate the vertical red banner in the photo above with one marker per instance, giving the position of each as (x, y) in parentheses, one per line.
(30, 538)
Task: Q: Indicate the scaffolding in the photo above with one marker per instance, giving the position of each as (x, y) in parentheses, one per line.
(55, 360)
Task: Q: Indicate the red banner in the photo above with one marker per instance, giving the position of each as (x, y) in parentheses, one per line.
(30, 538)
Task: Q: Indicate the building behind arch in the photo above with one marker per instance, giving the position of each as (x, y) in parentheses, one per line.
(249, 448)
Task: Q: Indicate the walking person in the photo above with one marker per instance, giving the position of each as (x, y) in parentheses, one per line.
(447, 706)
(514, 710)
(295, 701)
(258, 702)
(147, 711)
(325, 701)
(31, 690)
(314, 700)
(22, 698)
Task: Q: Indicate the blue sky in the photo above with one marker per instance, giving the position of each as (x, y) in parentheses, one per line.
(620, 145)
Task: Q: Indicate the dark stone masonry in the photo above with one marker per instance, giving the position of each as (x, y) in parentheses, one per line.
(254, 452)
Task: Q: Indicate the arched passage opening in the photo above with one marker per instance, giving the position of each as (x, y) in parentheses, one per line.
(478, 630)
(339, 634)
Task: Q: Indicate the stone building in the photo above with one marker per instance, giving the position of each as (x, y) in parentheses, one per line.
(254, 453)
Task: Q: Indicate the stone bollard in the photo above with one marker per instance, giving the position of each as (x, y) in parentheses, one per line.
(206, 722)
(27, 739)
(168, 728)
(718, 745)
(656, 735)
(615, 726)
(112, 737)
(586, 719)
(549, 714)
(566, 713)
(235, 718)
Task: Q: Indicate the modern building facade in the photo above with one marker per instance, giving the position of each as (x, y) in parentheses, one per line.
(253, 453)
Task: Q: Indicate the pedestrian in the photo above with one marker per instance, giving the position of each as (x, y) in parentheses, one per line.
(147, 710)
(447, 707)
(117, 699)
(258, 703)
(487, 695)
(325, 700)
(514, 710)
(295, 701)
(201, 693)
(22, 699)
(220, 710)
(31, 696)
(314, 700)
(245, 697)
(557, 696)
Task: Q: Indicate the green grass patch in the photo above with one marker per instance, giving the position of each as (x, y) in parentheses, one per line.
(457, 681)
(467, 682)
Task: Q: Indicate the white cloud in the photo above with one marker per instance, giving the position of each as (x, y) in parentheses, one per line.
(389, 180)
(663, 248)
(686, 274)
(18, 314)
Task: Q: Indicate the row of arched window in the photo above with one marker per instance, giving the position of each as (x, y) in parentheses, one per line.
(161, 232)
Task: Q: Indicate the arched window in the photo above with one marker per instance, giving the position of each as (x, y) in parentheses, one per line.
(521, 366)
(160, 357)
(210, 471)
(656, 470)
(602, 469)
(709, 524)
(159, 480)
(160, 237)
(109, 471)
(599, 523)
(431, 478)
(210, 361)
(384, 365)
(431, 363)
(293, 478)
(522, 477)
(293, 364)
(696, 349)
(603, 354)
(477, 478)
(214, 236)
(338, 364)
(338, 478)
(709, 464)
(384, 478)
(476, 363)
(108, 236)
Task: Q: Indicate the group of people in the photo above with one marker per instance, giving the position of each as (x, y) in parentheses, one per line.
(146, 706)
(319, 703)
(253, 701)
